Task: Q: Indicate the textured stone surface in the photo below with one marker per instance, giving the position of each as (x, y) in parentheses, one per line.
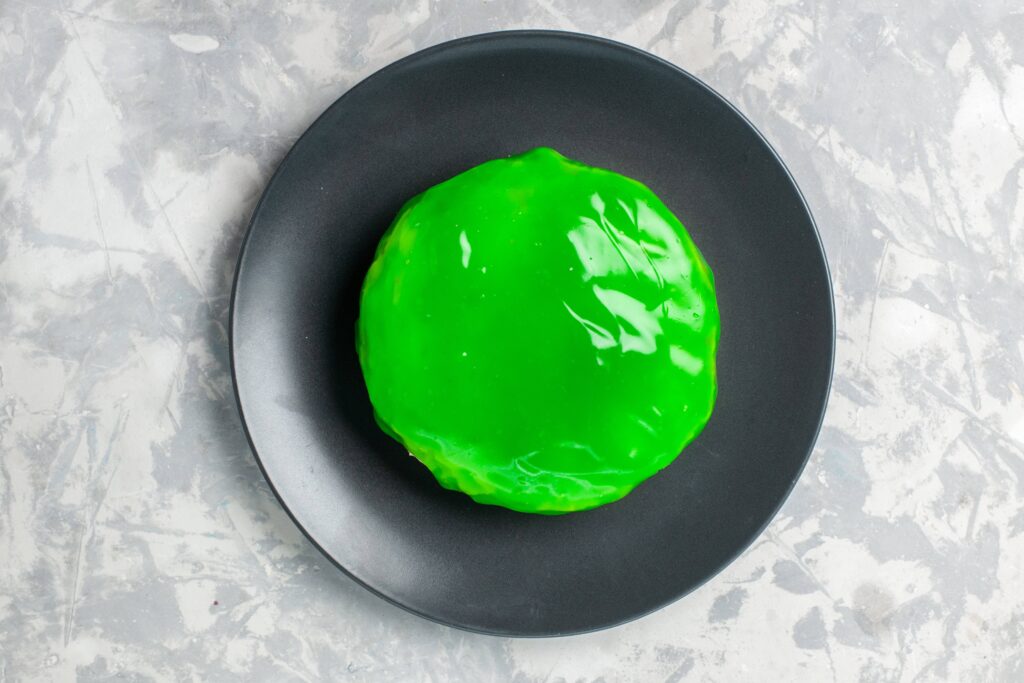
(137, 538)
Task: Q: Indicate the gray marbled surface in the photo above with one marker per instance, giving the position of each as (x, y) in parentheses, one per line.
(137, 538)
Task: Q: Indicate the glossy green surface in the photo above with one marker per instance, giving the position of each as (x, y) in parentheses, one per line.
(540, 333)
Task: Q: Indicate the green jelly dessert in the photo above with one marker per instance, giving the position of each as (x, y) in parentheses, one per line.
(539, 333)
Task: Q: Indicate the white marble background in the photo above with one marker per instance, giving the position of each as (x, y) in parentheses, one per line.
(137, 538)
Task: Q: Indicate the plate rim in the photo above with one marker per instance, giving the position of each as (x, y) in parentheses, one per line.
(544, 34)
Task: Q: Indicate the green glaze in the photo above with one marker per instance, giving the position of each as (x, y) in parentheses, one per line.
(540, 333)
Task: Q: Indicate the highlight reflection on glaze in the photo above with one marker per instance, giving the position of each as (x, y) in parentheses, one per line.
(540, 333)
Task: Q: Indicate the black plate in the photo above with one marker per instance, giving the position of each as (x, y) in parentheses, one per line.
(374, 510)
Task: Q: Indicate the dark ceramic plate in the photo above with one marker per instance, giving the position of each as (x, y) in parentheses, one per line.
(374, 510)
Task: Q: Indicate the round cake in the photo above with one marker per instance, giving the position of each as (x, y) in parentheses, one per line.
(540, 333)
